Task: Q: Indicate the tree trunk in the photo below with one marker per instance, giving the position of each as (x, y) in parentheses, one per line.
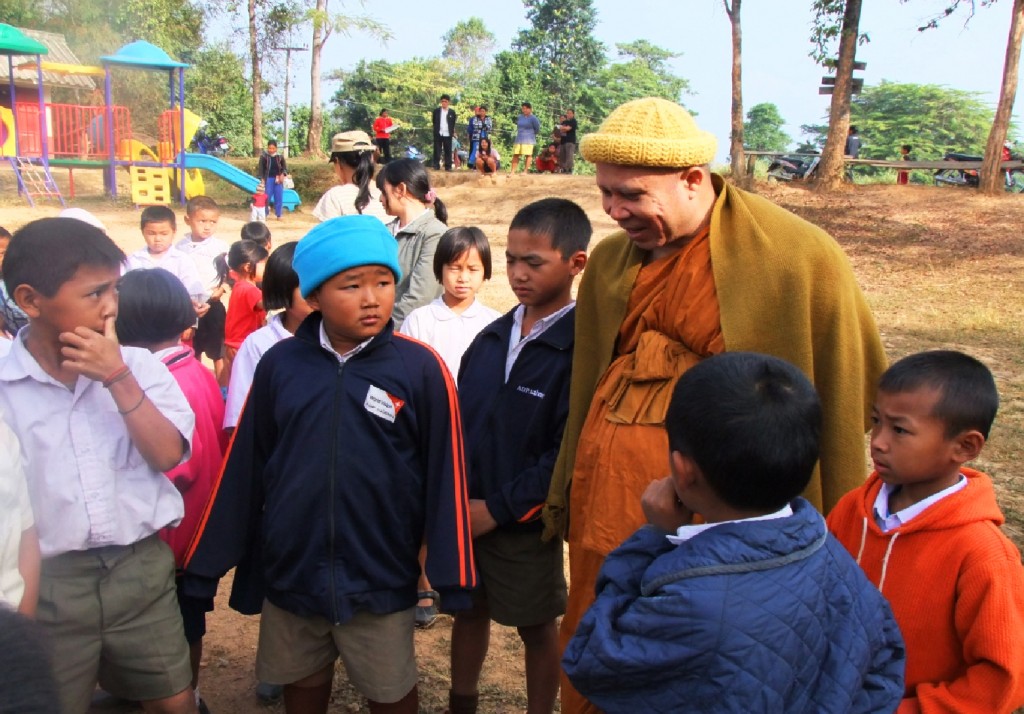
(738, 162)
(257, 83)
(991, 180)
(314, 138)
(830, 170)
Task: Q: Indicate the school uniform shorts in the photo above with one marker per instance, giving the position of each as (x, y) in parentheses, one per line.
(209, 335)
(377, 650)
(521, 577)
(112, 617)
(523, 149)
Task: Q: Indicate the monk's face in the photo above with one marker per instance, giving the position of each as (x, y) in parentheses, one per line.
(654, 206)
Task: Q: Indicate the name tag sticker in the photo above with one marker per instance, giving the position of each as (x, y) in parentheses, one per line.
(381, 404)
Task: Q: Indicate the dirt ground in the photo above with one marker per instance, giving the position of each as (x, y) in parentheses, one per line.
(942, 267)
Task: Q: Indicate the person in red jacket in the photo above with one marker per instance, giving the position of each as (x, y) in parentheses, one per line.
(925, 530)
(153, 310)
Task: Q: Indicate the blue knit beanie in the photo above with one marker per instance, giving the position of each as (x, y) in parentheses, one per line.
(339, 244)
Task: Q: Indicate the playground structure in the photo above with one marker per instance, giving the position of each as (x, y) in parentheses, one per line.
(35, 136)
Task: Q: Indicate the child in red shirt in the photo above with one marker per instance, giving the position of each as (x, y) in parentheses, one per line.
(259, 204)
(245, 311)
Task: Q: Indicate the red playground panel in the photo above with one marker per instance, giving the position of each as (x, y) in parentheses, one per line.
(76, 131)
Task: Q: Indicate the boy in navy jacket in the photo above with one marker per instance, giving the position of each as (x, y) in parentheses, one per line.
(514, 393)
(757, 608)
(347, 457)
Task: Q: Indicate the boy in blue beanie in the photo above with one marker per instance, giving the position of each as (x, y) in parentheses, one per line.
(347, 456)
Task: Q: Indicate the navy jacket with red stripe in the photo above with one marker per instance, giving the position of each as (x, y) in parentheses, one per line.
(514, 428)
(335, 476)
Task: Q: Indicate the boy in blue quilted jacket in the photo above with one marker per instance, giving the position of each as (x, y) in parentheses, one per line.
(757, 608)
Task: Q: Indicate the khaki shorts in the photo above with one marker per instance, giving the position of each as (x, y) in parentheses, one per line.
(521, 577)
(112, 617)
(523, 149)
(377, 650)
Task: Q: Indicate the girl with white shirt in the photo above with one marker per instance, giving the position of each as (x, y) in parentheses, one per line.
(448, 324)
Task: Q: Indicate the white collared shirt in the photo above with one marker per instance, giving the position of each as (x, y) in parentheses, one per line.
(890, 521)
(685, 533)
(449, 333)
(325, 342)
(88, 484)
(15, 517)
(517, 342)
(244, 365)
(175, 262)
(203, 254)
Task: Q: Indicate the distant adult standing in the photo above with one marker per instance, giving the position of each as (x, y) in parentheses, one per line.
(567, 149)
(527, 128)
(444, 129)
(852, 148)
(272, 168)
(382, 134)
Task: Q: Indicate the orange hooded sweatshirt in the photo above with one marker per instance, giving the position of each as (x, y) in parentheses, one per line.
(956, 587)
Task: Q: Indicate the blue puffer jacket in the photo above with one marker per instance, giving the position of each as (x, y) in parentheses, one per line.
(755, 616)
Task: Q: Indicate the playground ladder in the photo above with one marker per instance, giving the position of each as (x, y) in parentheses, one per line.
(34, 180)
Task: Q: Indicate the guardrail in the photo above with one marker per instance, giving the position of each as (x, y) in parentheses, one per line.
(753, 156)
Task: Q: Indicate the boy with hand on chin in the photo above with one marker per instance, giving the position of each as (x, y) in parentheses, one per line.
(347, 457)
(757, 609)
(925, 529)
(514, 393)
(98, 424)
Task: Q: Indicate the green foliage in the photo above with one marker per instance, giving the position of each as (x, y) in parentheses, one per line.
(469, 46)
(826, 27)
(762, 131)
(298, 126)
(643, 74)
(216, 89)
(561, 40)
(933, 119)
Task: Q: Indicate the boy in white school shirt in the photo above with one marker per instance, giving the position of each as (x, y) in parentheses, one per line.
(98, 424)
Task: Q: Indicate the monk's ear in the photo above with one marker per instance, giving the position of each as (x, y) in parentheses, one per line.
(694, 177)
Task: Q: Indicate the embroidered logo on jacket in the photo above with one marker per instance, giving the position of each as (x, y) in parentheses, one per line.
(532, 392)
(380, 403)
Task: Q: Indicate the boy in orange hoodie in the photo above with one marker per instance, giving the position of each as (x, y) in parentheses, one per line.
(925, 529)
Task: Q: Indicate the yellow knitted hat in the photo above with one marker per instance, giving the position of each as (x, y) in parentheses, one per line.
(649, 132)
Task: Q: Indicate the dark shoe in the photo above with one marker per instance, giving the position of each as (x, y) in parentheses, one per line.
(269, 693)
(426, 615)
(203, 709)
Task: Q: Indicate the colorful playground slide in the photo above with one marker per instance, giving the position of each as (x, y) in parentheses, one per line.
(236, 176)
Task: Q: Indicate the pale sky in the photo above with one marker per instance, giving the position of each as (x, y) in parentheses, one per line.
(776, 33)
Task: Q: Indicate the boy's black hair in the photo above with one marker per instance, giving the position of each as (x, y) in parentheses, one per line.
(153, 307)
(382, 112)
(272, 142)
(245, 251)
(279, 278)
(200, 203)
(443, 97)
(457, 241)
(527, 105)
(257, 232)
(908, 148)
(158, 214)
(968, 398)
(47, 252)
(4, 233)
(563, 221)
(751, 423)
(484, 107)
(416, 179)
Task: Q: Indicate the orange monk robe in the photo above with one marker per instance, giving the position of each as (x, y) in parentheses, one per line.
(765, 281)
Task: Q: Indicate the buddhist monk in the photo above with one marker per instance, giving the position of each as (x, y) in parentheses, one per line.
(698, 268)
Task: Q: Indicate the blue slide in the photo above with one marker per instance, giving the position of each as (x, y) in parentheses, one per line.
(236, 177)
